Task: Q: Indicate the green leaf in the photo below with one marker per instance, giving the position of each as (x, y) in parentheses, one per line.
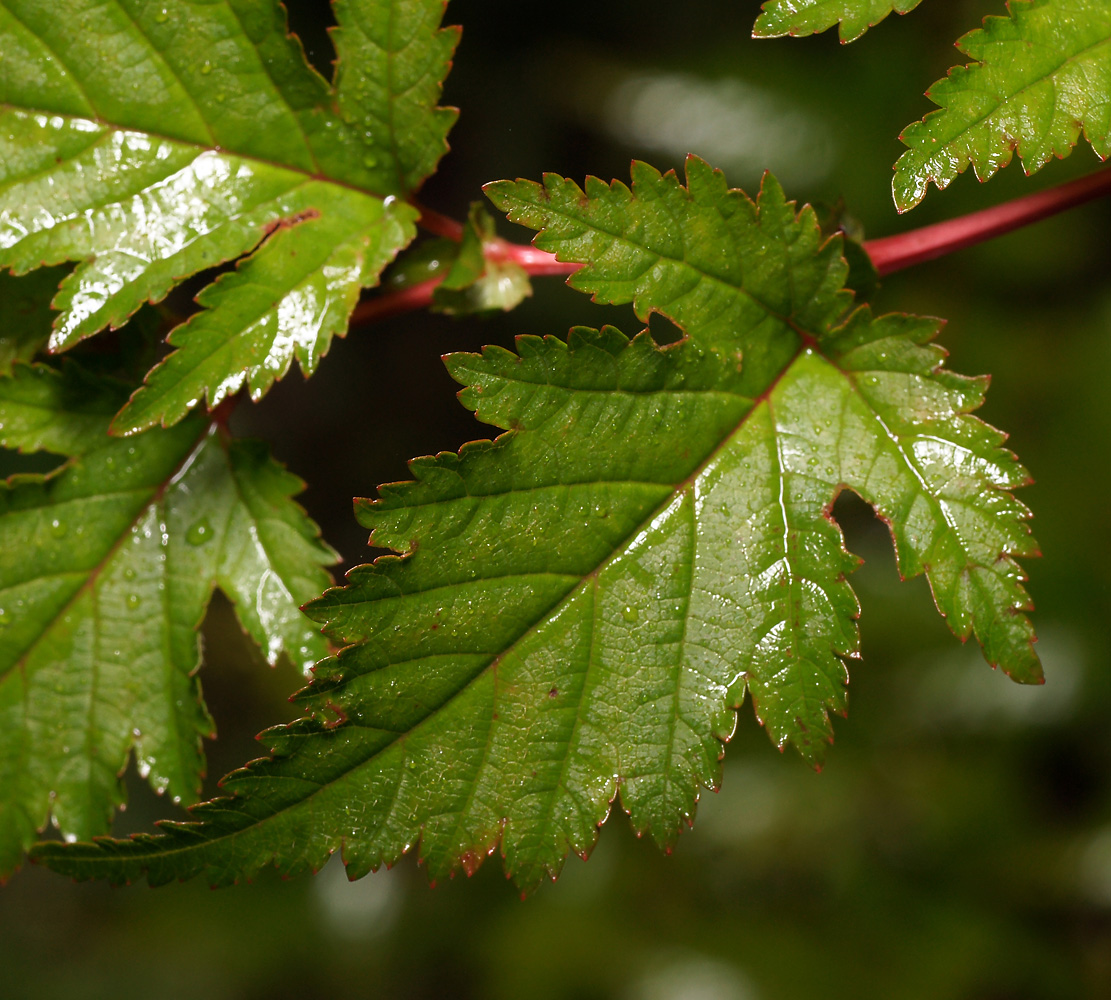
(476, 281)
(106, 567)
(392, 58)
(808, 17)
(25, 314)
(233, 147)
(1040, 77)
(579, 606)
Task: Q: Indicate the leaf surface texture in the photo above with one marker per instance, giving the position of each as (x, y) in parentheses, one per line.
(1040, 77)
(808, 17)
(578, 607)
(237, 147)
(98, 642)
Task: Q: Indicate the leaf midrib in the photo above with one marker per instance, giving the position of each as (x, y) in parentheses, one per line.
(549, 205)
(186, 143)
(400, 738)
(94, 573)
(982, 66)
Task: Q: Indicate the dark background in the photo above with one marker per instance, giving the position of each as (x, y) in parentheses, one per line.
(958, 843)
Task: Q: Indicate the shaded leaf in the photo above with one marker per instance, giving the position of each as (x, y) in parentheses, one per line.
(1040, 77)
(25, 314)
(106, 567)
(579, 606)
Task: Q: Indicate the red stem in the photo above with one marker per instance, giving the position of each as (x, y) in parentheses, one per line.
(393, 303)
(893, 253)
(536, 262)
(889, 254)
(441, 225)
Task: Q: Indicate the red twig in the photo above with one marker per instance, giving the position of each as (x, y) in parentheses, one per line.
(440, 225)
(419, 296)
(889, 254)
(393, 303)
(536, 262)
(893, 253)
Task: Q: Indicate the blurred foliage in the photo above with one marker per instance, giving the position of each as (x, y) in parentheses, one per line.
(958, 845)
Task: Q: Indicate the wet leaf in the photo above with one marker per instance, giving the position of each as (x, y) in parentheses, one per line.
(106, 567)
(808, 17)
(235, 147)
(577, 608)
(1040, 77)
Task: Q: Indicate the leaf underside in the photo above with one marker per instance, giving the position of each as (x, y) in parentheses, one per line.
(1040, 77)
(809, 17)
(98, 616)
(578, 607)
(237, 147)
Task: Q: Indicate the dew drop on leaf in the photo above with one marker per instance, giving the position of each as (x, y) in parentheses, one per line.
(58, 528)
(199, 532)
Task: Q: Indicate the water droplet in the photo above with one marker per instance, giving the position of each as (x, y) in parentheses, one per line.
(629, 613)
(129, 573)
(206, 67)
(58, 528)
(602, 511)
(370, 162)
(162, 16)
(133, 601)
(199, 533)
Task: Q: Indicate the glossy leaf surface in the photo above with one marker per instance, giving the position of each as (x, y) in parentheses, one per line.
(808, 17)
(579, 606)
(234, 145)
(106, 567)
(1041, 77)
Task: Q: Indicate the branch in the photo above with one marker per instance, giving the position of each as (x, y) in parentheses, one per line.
(889, 254)
(394, 303)
(893, 253)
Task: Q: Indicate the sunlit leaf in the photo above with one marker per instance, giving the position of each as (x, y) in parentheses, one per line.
(235, 146)
(577, 608)
(1039, 78)
(808, 17)
(106, 567)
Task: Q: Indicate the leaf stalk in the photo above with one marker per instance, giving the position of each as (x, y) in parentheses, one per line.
(894, 253)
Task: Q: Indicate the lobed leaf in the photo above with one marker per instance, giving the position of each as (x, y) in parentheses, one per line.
(578, 607)
(1041, 76)
(809, 17)
(235, 146)
(106, 567)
